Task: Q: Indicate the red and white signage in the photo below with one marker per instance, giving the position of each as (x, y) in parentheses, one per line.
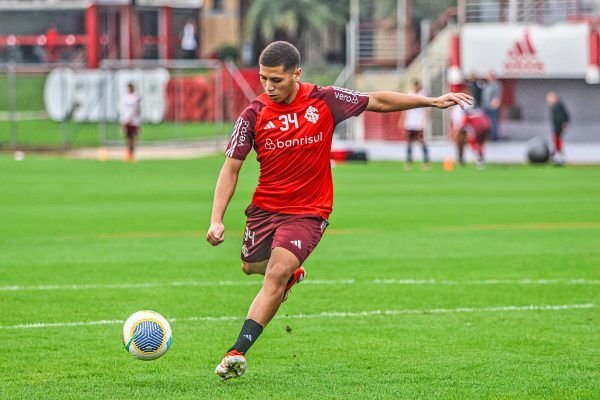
(518, 51)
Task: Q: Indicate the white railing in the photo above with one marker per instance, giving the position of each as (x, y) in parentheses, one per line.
(526, 11)
(381, 46)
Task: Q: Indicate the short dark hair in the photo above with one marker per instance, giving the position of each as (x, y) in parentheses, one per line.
(280, 53)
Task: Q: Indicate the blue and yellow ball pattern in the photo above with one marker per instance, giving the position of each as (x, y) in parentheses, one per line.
(146, 335)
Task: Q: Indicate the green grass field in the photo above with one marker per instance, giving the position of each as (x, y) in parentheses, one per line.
(47, 134)
(439, 270)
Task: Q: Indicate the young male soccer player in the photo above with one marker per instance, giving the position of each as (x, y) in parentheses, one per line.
(415, 120)
(130, 116)
(290, 127)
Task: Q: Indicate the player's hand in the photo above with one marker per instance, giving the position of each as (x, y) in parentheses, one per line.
(215, 235)
(452, 99)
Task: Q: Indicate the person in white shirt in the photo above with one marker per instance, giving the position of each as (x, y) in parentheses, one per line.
(189, 43)
(415, 121)
(130, 117)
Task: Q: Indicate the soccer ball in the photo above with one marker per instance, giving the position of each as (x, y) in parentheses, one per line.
(538, 151)
(146, 335)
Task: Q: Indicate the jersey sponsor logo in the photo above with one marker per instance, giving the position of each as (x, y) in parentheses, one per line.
(347, 95)
(271, 144)
(239, 135)
(270, 125)
(312, 114)
(297, 243)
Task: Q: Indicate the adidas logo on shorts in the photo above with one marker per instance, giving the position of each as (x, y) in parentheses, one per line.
(297, 243)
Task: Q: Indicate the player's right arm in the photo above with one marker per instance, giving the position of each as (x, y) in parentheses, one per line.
(239, 146)
(228, 178)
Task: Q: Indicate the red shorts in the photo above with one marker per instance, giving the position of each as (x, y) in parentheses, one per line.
(131, 130)
(412, 135)
(266, 230)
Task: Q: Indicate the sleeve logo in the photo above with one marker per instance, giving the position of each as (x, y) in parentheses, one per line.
(312, 114)
(347, 95)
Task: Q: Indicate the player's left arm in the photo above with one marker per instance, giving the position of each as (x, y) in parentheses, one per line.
(392, 101)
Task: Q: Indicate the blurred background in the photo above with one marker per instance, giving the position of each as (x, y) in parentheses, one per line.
(64, 65)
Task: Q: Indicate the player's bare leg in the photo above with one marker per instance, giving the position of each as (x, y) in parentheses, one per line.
(130, 148)
(255, 268)
(282, 271)
(282, 265)
(425, 153)
(409, 160)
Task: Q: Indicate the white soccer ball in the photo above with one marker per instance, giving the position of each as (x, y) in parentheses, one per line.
(147, 335)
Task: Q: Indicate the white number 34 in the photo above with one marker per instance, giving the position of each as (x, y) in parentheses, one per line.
(287, 120)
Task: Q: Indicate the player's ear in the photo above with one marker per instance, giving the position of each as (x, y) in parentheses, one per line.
(297, 74)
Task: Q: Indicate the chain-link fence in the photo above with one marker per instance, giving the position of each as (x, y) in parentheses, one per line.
(60, 107)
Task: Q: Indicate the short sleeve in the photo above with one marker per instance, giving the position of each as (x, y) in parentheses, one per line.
(242, 137)
(344, 103)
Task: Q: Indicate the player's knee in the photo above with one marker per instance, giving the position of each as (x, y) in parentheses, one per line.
(247, 268)
(277, 275)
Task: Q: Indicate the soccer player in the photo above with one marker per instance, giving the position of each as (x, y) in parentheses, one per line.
(560, 119)
(473, 128)
(130, 116)
(290, 126)
(415, 120)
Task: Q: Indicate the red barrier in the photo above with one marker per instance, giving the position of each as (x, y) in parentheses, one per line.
(383, 126)
(190, 98)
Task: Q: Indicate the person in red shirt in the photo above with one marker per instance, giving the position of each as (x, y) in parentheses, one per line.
(290, 127)
(473, 128)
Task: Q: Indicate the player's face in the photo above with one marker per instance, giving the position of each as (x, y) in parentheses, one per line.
(280, 85)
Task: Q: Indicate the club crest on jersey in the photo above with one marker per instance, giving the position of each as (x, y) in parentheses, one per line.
(312, 114)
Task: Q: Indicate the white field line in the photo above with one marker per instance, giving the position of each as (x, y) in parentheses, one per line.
(162, 284)
(327, 314)
(16, 288)
(487, 282)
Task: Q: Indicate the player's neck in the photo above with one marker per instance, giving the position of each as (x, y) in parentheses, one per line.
(292, 96)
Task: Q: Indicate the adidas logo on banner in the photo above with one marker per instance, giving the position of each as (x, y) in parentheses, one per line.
(297, 243)
(522, 57)
(270, 125)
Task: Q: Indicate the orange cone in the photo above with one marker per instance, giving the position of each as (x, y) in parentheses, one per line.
(448, 164)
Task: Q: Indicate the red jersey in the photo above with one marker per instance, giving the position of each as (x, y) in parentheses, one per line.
(293, 144)
(477, 120)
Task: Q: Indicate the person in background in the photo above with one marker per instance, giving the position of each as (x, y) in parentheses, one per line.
(560, 119)
(491, 97)
(130, 117)
(475, 86)
(414, 127)
(189, 42)
(471, 126)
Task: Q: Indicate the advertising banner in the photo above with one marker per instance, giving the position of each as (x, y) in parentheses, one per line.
(525, 51)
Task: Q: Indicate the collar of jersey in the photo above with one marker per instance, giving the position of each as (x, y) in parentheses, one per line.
(284, 106)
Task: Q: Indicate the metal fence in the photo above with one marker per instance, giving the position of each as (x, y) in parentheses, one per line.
(527, 11)
(55, 107)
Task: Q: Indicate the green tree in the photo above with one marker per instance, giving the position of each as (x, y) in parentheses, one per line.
(294, 18)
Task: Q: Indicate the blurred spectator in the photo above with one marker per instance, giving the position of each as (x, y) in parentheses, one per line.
(470, 126)
(52, 49)
(491, 96)
(189, 41)
(475, 86)
(130, 116)
(414, 126)
(560, 119)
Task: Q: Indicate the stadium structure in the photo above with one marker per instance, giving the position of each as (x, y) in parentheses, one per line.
(532, 46)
